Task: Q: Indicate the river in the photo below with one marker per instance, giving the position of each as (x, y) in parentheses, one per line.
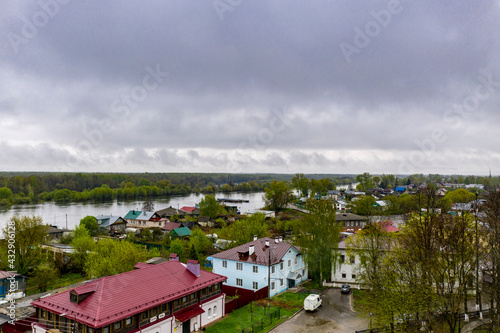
(68, 215)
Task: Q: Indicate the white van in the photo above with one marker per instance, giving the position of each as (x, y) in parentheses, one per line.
(312, 302)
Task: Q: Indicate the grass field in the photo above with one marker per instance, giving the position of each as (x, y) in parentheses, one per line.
(257, 313)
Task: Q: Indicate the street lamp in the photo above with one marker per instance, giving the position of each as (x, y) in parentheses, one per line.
(73, 324)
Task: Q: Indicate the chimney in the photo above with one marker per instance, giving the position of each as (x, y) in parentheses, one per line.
(281, 239)
(251, 250)
(173, 257)
(194, 267)
(276, 240)
(254, 238)
(267, 243)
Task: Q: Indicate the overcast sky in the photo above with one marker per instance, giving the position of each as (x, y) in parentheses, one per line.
(250, 86)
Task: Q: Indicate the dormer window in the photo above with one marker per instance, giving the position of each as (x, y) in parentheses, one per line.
(73, 297)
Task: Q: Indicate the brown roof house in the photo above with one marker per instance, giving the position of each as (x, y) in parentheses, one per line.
(247, 266)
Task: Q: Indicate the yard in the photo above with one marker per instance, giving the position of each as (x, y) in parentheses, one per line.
(257, 313)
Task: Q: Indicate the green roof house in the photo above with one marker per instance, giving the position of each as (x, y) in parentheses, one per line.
(180, 232)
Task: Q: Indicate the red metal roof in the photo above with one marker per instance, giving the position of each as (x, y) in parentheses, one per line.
(188, 209)
(186, 315)
(171, 226)
(120, 296)
(140, 265)
(261, 252)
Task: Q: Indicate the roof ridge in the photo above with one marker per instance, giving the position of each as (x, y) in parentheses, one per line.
(100, 298)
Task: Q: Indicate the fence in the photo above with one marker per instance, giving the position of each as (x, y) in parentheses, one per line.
(270, 318)
(243, 297)
(461, 316)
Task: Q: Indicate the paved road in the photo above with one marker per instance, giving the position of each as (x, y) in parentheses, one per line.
(334, 316)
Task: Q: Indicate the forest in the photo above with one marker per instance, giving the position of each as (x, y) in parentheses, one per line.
(27, 188)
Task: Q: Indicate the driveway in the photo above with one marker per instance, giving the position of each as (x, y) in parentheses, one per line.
(334, 316)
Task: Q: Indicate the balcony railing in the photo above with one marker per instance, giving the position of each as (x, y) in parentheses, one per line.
(210, 295)
(185, 305)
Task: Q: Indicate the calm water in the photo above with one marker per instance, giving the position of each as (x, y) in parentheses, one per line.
(69, 215)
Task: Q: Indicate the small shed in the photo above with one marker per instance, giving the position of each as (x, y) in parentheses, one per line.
(180, 232)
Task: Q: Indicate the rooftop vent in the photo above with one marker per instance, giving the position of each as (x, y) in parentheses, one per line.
(251, 249)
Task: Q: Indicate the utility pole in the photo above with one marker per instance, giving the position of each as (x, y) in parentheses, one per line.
(269, 276)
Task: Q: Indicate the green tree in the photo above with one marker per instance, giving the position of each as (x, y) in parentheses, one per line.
(364, 206)
(242, 231)
(365, 181)
(29, 233)
(200, 242)
(44, 274)
(178, 246)
(318, 236)
(111, 257)
(301, 184)
(277, 196)
(90, 223)
(82, 244)
(460, 195)
(210, 207)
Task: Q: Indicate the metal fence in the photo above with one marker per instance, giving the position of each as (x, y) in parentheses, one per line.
(269, 318)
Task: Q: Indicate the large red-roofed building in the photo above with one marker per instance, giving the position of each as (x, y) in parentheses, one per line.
(163, 298)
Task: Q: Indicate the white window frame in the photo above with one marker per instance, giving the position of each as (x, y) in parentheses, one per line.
(239, 282)
(255, 285)
(273, 269)
(273, 285)
(239, 266)
(214, 313)
(296, 261)
(282, 282)
(281, 266)
(255, 269)
(224, 263)
(289, 262)
(209, 312)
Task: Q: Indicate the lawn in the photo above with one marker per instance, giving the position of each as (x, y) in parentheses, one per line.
(282, 307)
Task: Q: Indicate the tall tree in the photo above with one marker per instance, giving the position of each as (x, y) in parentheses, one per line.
(318, 236)
(29, 233)
(301, 184)
(83, 244)
(210, 207)
(90, 223)
(491, 221)
(277, 196)
(242, 231)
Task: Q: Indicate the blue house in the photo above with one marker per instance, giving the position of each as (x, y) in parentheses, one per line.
(12, 286)
(247, 266)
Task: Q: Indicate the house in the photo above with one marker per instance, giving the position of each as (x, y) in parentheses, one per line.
(12, 286)
(112, 224)
(349, 264)
(192, 211)
(204, 221)
(340, 205)
(169, 226)
(168, 212)
(180, 232)
(166, 297)
(54, 233)
(247, 266)
(141, 219)
(351, 222)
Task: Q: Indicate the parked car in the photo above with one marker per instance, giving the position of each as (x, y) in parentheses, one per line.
(312, 302)
(345, 289)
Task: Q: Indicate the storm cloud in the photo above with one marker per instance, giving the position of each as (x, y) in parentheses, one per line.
(250, 86)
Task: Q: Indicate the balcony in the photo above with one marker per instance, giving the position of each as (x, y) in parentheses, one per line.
(185, 305)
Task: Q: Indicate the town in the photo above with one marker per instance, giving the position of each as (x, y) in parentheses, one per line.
(400, 254)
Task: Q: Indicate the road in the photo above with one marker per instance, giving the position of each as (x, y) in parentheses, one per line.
(334, 316)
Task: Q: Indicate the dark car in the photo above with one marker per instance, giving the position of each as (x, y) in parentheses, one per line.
(345, 289)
